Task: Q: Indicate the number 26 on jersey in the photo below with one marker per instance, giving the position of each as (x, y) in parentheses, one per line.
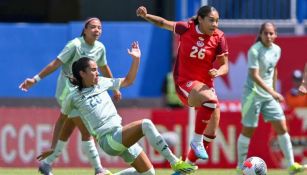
(197, 53)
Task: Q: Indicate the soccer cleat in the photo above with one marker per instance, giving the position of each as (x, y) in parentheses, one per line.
(296, 168)
(107, 172)
(102, 172)
(183, 167)
(45, 168)
(199, 150)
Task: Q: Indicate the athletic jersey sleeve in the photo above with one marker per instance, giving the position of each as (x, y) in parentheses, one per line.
(109, 83)
(252, 60)
(103, 59)
(68, 52)
(181, 27)
(222, 47)
(67, 105)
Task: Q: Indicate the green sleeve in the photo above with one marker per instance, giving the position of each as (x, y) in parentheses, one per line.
(68, 52)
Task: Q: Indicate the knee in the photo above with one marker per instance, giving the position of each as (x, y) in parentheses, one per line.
(62, 118)
(85, 135)
(248, 131)
(205, 99)
(281, 131)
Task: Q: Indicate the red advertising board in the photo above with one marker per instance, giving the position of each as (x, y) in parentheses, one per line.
(26, 132)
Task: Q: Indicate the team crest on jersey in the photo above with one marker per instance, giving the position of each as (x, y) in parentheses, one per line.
(200, 43)
(189, 84)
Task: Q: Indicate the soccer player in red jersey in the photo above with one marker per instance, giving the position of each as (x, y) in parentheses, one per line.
(201, 43)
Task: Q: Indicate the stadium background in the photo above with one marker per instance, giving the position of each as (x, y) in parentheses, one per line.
(35, 31)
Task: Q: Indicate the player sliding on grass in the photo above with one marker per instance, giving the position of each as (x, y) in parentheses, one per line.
(260, 96)
(89, 46)
(102, 120)
(201, 44)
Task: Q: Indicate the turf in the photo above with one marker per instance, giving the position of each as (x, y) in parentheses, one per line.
(87, 171)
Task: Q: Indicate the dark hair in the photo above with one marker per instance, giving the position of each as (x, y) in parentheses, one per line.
(203, 12)
(77, 66)
(87, 21)
(262, 27)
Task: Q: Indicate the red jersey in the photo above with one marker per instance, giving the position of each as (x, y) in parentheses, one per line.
(196, 53)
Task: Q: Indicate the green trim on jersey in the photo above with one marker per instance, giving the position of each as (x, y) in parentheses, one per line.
(114, 144)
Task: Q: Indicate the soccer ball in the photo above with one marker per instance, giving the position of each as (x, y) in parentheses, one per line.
(254, 166)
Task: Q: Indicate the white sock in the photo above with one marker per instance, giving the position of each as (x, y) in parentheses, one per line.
(92, 154)
(151, 171)
(128, 171)
(242, 149)
(156, 140)
(197, 138)
(286, 147)
(57, 151)
(132, 171)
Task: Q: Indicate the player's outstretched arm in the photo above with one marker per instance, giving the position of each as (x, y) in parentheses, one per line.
(29, 82)
(135, 53)
(157, 20)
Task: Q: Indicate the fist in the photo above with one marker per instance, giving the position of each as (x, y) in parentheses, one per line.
(141, 11)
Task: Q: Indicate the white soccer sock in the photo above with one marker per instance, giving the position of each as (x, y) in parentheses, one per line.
(156, 140)
(242, 149)
(128, 171)
(132, 171)
(151, 171)
(92, 154)
(286, 147)
(57, 151)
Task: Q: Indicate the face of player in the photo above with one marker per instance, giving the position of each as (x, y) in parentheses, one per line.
(90, 75)
(209, 24)
(268, 35)
(92, 31)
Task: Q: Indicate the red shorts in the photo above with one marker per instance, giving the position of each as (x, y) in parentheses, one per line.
(183, 89)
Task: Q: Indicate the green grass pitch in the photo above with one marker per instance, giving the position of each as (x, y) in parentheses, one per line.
(88, 171)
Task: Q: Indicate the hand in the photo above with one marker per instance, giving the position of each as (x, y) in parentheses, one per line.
(44, 154)
(277, 96)
(141, 11)
(213, 73)
(302, 90)
(27, 84)
(117, 95)
(135, 51)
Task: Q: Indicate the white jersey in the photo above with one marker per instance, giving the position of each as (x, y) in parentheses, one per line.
(264, 59)
(95, 105)
(73, 51)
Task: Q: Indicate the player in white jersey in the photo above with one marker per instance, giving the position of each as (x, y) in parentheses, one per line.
(102, 120)
(89, 46)
(303, 87)
(260, 96)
